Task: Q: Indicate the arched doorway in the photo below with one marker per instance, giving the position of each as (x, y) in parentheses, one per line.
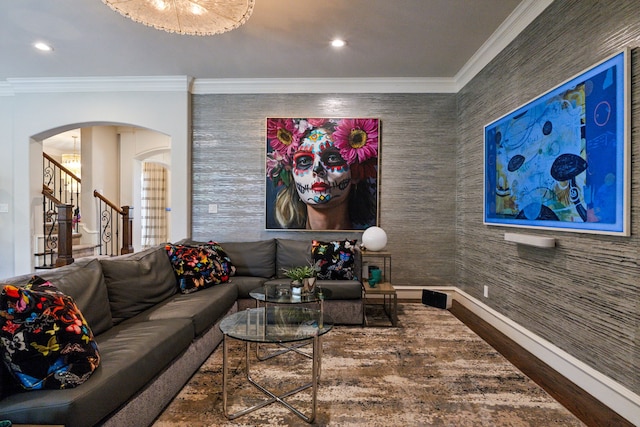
(111, 157)
(40, 108)
(153, 204)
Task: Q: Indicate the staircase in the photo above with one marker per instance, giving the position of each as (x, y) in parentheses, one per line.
(49, 258)
(61, 188)
(80, 250)
(61, 240)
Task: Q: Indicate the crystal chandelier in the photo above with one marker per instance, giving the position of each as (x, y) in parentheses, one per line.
(189, 17)
(72, 161)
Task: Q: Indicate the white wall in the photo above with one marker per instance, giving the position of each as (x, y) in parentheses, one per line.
(33, 109)
(137, 146)
(100, 172)
(6, 186)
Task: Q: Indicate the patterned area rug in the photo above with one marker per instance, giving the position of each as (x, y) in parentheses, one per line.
(430, 371)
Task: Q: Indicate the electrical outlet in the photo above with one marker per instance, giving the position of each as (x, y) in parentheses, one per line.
(213, 208)
(486, 291)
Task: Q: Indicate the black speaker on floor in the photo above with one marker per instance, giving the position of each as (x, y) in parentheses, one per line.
(436, 299)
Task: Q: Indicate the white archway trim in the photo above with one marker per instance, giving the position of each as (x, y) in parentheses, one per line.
(165, 111)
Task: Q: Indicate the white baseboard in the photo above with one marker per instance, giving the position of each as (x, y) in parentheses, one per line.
(614, 395)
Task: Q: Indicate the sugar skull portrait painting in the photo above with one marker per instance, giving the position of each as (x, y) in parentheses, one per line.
(322, 173)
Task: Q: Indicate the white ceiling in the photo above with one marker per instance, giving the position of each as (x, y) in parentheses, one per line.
(63, 143)
(282, 39)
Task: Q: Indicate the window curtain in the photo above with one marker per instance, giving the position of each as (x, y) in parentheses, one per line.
(153, 212)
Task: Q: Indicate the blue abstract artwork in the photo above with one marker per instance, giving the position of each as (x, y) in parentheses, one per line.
(561, 161)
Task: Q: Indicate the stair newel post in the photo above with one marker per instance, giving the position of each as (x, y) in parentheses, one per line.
(65, 235)
(127, 230)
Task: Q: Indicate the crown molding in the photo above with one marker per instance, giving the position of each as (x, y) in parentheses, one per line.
(14, 86)
(100, 84)
(322, 85)
(523, 15)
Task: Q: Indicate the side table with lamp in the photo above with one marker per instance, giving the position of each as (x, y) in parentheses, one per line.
(376, 280)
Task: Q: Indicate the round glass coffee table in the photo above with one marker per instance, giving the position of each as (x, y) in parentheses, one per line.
(285, 294)
(274, 324)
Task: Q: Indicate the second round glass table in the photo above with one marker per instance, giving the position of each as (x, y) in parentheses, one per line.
(274, 324)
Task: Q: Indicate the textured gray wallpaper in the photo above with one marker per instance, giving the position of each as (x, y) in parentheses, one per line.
(417, 172)
(583, 296)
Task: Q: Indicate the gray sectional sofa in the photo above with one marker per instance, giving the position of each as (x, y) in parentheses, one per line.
(151, 337)
(256, 265)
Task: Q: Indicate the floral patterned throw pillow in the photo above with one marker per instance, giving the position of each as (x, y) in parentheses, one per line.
(199, 266)
(335, 260)
(46, 342)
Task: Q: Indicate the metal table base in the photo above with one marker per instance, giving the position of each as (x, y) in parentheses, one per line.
(389, 300)
(273, 398)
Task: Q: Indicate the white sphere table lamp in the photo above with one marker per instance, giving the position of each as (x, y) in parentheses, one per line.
(374, 239)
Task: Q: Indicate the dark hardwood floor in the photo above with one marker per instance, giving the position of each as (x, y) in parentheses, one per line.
(583, 405)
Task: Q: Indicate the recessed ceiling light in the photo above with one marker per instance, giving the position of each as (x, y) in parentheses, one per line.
(338, 43)
(43, 47)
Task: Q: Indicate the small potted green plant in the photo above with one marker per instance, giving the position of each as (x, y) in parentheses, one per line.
(298, 274)
(304, 275)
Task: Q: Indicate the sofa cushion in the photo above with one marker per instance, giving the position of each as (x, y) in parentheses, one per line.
(199, 266)
(138, 281)
(246, 284)
(133, 353)
(46, 343)
(292, 253)
(253, 258)
(202, 308)
(84, 282)
(335, 259)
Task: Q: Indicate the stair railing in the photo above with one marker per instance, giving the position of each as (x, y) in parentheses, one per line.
(57, 232)
(61, 190)
(110, 233)
(65, 235)
(64, 185)
(49, 229)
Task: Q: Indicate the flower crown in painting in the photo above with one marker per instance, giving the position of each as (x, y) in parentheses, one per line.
(357, 140)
